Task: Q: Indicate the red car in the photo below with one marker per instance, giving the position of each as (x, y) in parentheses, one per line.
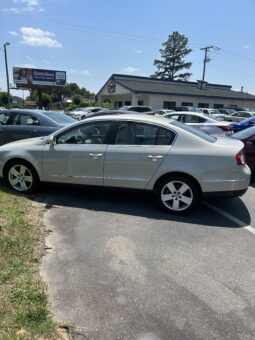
(247, 136)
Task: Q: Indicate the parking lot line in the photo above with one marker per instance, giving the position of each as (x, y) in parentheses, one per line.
(230, 217)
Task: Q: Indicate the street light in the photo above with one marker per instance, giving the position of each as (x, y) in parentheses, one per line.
(7, 73)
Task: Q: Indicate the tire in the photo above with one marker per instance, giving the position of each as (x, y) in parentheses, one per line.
(21, 177)
(177, 195)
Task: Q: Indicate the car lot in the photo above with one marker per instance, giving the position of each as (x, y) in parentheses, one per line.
(122, 269)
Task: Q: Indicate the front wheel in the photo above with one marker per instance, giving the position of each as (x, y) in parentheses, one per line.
(21, 177)
(178, 195)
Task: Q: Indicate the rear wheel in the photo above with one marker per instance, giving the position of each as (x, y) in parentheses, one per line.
(21, 176)
(177, 195)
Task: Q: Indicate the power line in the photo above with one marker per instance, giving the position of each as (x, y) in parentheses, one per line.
(206, 58)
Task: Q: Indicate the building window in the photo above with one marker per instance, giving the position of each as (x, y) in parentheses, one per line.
(127, 103)
(140, 102)
(218, 106)
(203, 105)
(169, 105)
(187, 104)
(118, 104)
(231, 105)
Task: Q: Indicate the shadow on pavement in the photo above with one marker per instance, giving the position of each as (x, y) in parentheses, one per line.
(134, 203)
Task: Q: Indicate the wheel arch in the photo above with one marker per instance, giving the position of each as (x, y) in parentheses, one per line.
(12, 160)
(177, 173)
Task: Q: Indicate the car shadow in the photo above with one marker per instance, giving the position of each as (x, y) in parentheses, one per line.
(134, 203)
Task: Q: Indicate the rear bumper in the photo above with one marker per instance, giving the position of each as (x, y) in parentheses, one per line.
(232, 193)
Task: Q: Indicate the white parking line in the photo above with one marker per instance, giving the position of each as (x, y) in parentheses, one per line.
(230, 217)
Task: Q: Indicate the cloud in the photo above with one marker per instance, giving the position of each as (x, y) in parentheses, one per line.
(138, 51)
(85, 72)
(130, 69)
(26, 6)
(13, 33)
(37, 37)
(246, 46)
(26, 65)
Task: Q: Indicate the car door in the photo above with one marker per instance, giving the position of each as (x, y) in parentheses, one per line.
(4, 123)
(21, 126)
(77, 155)
(136, 153)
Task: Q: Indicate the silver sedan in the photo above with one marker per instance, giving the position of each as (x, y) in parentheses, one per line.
(178, 163)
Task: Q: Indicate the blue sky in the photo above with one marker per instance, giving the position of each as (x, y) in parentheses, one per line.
(93, 39)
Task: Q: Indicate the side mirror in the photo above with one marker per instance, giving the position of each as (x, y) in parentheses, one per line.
(52, 140)
(36, 122)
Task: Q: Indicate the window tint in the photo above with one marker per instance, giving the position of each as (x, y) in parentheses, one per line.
(129, 133)
(92, 133)
(25, 119)
(194, 131)
(194, 119)
(4, 116)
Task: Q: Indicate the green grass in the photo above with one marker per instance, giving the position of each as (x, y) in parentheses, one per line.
(24, 309)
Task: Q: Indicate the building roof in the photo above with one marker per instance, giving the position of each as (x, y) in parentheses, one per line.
(148, 85)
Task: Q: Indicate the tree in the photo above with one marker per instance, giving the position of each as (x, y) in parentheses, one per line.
(173, 58)
(46, 99)
(76, 99)
(4, 98)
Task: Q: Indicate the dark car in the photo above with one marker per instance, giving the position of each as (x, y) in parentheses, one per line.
(136, 108)
(247, 136)
(244, 124)
(20, 124)
(227, 111)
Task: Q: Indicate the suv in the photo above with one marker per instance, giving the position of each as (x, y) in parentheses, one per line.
(138, 108)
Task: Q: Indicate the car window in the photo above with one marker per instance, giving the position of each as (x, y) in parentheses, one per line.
(91, 133)
(194, 119)
(4, 116)
(130, 133)
(175, 117)
(24, 119)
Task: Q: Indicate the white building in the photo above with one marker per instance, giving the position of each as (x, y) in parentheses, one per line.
(132, 90)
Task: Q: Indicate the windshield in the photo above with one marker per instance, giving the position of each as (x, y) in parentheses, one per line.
(214, 111)
(60, 118)
(243, 134)
(194, 109)
(199, 133)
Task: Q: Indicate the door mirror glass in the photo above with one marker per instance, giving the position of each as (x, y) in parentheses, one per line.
(52, 140)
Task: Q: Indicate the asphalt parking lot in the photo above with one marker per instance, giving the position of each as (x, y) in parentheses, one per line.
(120, 268)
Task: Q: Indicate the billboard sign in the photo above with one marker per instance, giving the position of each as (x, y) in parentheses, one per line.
(32, 76)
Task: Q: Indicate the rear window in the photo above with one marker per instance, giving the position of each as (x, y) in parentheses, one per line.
(58, 117)
(195, 131)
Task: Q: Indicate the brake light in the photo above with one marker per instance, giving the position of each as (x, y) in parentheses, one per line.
(240, 158)
(225, 128)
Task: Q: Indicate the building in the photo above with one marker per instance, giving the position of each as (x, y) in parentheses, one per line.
(133, 90)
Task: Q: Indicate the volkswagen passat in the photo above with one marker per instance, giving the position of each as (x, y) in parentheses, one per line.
(178, 163)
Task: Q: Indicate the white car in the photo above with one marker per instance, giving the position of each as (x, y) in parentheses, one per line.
(82, 113)
(213, 113)
(178, 163)
(200, 119)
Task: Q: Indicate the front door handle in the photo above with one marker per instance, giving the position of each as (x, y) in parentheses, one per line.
(96, 155)
(155, 156)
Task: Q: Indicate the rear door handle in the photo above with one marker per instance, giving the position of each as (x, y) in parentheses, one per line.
(96, 154)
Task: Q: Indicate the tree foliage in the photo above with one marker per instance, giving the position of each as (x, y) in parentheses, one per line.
(4, 98)
(172, 61)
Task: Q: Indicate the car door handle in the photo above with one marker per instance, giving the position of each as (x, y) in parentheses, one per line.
(96, 154)
(155, 156)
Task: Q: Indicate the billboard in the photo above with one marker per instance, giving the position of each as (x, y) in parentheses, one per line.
(32, 76)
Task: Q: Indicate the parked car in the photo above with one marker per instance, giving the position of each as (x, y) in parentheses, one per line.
(188, 109)
(136, 108)
(226, 111)
(244, 124)
(162, 112)
(238, 116)
(200, 119)
(211, 130)
(20, 124)
(110, 112)
(239, 108)
(178, 163)
(82, 113)
(247, 136)
(213, 113)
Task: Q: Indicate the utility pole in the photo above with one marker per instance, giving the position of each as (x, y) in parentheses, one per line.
(7, 73)
(206, 59)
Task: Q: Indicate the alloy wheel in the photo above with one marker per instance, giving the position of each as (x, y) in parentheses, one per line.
(177, 195)
(20, 177)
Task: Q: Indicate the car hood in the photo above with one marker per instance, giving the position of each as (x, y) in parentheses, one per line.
(36, 140)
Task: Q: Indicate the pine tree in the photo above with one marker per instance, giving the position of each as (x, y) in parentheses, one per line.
(173, 58)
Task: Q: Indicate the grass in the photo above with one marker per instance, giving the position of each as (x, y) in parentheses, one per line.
(24, 309)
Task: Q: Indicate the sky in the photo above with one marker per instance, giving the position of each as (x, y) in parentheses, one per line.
(91, 40)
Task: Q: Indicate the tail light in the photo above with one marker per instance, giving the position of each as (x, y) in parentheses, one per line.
(240, 159)
(225, 128)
